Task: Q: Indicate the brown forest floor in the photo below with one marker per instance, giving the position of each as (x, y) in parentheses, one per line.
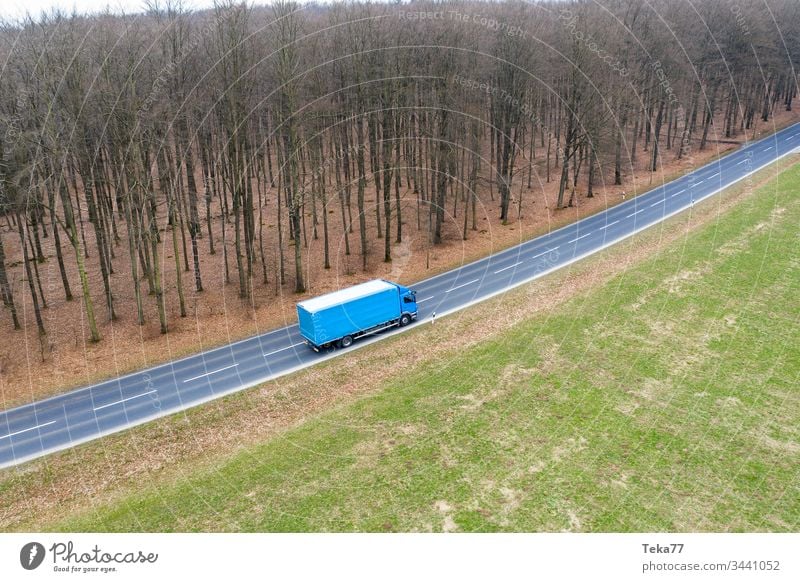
(217, 315)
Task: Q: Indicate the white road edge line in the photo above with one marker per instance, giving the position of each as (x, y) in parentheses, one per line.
(96, 408)
(209, 373)
(504, 269)
(424, 300)
(284, 349)
(462, 285)
(28, 429)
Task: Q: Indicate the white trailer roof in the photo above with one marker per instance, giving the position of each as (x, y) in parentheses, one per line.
(344, 295)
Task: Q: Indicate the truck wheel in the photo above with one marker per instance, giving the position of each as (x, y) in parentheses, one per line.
(347, 341)
(405, 320)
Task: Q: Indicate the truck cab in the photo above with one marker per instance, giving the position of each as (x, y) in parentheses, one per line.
(408, 301)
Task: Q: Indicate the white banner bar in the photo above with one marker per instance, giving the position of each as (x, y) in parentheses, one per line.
(401, 557)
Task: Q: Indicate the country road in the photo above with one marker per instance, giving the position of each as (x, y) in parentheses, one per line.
(63, 421)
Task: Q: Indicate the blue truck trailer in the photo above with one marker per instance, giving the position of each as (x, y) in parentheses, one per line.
(339, 318)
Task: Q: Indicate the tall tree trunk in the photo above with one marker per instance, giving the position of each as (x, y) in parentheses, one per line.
(57, 243)
(29, 275)
(387, 127)
(194, 220)
(5, 288)
(362, 184)
(95, 220)
(80, 255)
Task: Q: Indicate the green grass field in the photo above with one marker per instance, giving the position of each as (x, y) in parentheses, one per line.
(666, 399)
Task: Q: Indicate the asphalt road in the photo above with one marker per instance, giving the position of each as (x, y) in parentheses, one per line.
(63, 421)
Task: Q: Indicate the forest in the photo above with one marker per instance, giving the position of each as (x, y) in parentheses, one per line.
(133, 148)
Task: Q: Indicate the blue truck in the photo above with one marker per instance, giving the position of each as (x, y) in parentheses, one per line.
(339, 318)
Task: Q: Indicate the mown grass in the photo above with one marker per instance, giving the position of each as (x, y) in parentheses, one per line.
(666, 399)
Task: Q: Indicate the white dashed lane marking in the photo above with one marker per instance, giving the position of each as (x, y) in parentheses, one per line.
(462, 285)
(284, 349)
(28, 429)
(579, 238)
(124, 400)
(507, 268)
(209, 373)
